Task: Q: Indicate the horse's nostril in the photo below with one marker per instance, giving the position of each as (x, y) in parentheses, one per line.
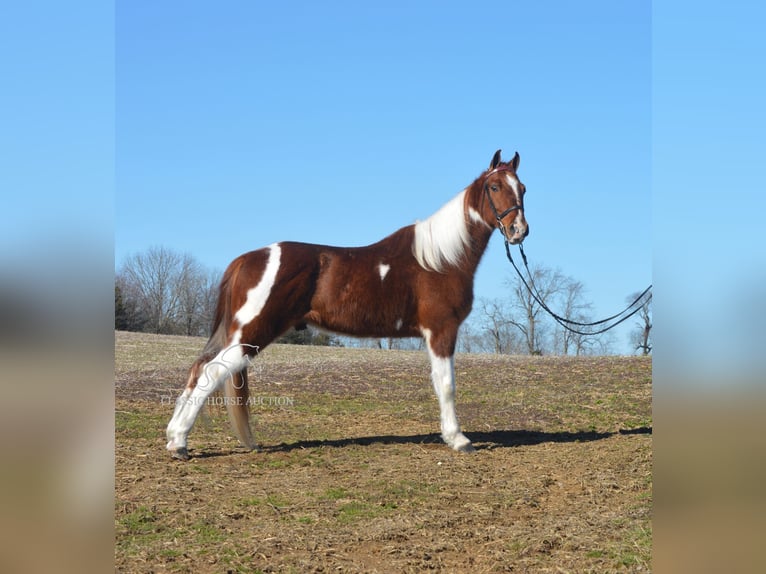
(519, 231)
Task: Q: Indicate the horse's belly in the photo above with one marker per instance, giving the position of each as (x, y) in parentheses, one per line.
(365, 321)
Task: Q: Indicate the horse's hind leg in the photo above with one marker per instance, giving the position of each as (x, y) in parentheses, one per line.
(204, 379)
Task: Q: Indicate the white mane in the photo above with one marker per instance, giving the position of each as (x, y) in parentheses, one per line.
(442, 239)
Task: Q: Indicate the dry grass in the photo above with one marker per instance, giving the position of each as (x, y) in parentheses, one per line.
(353, 476)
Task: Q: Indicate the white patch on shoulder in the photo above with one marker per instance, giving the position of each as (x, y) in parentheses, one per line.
(383, 269)
(258, 295)
(399, 324)
(442, 239)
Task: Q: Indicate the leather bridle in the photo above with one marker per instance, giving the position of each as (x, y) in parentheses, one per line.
(500, 216)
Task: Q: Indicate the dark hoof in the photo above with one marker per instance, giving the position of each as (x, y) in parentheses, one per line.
(180, 453)
(462, 444)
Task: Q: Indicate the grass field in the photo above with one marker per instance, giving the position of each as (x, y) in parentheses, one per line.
(353, 477)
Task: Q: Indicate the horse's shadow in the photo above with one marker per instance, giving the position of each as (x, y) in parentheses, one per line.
(487, 440)
(482, 440)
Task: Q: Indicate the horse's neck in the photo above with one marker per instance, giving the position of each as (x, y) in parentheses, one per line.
(480, 235)
(480, 231)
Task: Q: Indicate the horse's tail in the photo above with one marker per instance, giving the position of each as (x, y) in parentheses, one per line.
(235, 387)
(219, 337)
(237, 406)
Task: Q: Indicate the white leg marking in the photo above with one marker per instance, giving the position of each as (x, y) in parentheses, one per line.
(180, 401)
(228, 362)
(383, 269)
(443, 378)
(258, 295)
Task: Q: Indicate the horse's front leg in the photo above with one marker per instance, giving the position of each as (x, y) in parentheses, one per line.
(443, 378)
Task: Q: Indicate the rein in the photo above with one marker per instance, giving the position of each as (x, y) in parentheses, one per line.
(577, 327)
(574, 326)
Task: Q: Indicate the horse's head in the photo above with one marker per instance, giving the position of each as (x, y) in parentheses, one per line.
(505, 196)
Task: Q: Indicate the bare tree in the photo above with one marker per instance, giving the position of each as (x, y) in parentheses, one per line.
(497, 326)
(528, 316)
(468, 340)
(475, 334)
(576, 308)
(519, 324)
(174, 293)
(197, 295)
(640, 337)
(210, 284)
(128, 316)
(151, 277)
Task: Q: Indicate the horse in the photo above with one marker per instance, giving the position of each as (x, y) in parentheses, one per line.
(417, 282)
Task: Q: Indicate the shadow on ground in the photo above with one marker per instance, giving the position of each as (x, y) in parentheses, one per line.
(481, 440)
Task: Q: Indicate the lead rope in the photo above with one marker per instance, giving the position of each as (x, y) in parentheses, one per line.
(638, 303)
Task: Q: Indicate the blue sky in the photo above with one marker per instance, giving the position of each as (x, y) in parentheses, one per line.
(219, 132)
(243, 123)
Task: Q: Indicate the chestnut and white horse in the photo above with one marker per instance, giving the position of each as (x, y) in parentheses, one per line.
(418, 281)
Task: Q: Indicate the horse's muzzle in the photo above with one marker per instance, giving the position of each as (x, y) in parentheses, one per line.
(517, 233)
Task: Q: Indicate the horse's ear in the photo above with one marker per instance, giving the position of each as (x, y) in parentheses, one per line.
(515, 161)
(495, 160)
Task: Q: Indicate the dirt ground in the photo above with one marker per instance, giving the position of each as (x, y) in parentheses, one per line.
(353, 477)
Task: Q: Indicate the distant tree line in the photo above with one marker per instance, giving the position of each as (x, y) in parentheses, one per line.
(517, 324)
(162, 291)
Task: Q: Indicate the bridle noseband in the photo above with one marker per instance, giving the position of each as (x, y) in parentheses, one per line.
(499, 216)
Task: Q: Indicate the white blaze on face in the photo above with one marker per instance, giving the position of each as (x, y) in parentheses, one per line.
(383, 269)
(514, 183)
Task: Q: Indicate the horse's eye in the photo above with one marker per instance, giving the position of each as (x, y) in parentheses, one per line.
(493, 188)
